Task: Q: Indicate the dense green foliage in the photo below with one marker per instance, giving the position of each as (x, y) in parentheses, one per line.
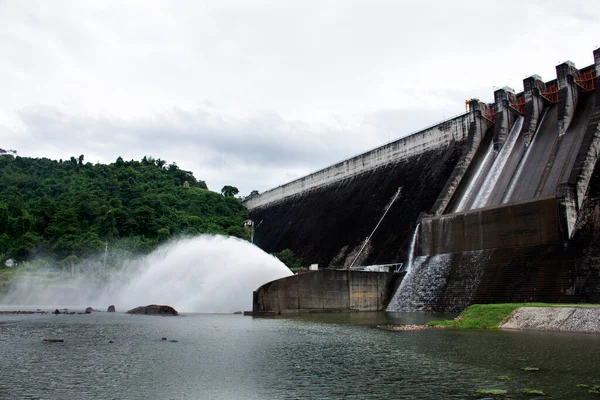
(68, 210)
(288, 257)
(490, 316)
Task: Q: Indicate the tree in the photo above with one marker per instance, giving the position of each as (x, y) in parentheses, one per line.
(8, 153)
(288, 257)
(229, 191)
(161, 163)
(163, 235)
(252, 194)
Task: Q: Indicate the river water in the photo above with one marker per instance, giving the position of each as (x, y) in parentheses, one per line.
(310, 357)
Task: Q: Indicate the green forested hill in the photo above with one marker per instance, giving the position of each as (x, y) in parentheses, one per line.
(68, 210)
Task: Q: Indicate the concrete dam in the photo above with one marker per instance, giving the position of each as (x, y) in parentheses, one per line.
(499, 204)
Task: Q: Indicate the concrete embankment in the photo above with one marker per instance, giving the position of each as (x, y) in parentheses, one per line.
(326, 291)
(564, 319)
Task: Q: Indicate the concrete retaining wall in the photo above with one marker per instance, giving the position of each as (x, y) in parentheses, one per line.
(326, 291)
(522, 224)
(555, 319)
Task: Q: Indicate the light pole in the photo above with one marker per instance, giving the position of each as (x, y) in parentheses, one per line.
(249, 224)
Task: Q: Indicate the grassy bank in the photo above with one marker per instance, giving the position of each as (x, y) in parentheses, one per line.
(490, 316)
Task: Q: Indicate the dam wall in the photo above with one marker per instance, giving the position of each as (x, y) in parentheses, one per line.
(503, 206)
(326, 291)
(328, 224)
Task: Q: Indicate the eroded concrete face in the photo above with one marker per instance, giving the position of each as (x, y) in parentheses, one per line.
(328, 225)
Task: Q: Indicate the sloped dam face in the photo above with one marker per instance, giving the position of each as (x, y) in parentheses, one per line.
(506, 199)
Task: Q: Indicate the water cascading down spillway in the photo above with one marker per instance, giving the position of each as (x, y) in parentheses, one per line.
(486, 176)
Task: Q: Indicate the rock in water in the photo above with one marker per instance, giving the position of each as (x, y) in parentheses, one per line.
(56, 312)
(111, 308)
(89, 310)
(154, 309)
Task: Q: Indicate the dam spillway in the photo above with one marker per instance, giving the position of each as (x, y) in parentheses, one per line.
(506, 197)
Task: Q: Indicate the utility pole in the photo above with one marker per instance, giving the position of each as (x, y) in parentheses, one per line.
(249, 224)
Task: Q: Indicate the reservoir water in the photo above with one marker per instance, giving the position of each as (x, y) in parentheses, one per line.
(220, 356)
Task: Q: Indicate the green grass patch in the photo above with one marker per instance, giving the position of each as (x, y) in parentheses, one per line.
(490, 316)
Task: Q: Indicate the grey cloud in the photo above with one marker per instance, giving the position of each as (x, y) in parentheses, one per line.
(210, 142)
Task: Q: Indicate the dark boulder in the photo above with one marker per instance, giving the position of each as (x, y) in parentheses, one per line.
(154, 309)
(111, 308)
(57, 311)
(89, 310)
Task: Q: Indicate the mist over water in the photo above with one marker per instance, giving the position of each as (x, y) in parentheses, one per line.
(208, 274)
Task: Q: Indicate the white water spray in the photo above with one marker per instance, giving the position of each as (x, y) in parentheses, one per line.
(420, 287)
(201, 274)
(413, 248)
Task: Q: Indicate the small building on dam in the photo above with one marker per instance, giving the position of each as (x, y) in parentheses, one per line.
(499, 204)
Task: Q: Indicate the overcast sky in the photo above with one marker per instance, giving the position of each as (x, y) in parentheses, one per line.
(257, 93)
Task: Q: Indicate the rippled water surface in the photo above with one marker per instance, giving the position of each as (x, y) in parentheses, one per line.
(312, 357)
